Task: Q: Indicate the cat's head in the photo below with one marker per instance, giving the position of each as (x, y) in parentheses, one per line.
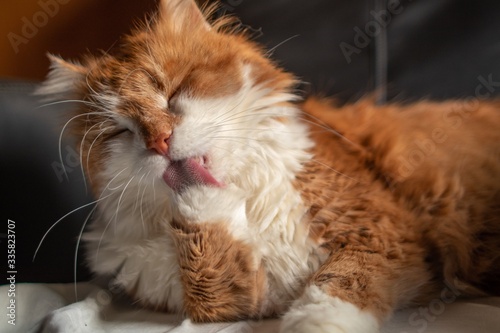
(182, 101)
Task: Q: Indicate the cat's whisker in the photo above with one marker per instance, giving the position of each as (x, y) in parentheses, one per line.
(249, 112)
(82, 143)
(142, 203)
(142, 206)
(322, 126)
(60, 140)
(114, 217)
(75, 210)
(62, 218)
(231, 152)
(121, 197)
(332, 169)
(93, 92)
(88, 83)
(138, 189)
(91, 146)
(230, 110)
(249, 129)
(270, 52)
(325, 126)
(242, 99)
(112, 180)
(235, 138)
(75, 268)
(238, 116)
(303, 115)
(154, 190)
(102, 237)
(104, 104)
(65, 101)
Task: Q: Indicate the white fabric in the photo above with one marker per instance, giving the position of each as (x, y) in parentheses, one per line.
(49, 308)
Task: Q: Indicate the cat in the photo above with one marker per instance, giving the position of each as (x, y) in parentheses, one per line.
(222, 195)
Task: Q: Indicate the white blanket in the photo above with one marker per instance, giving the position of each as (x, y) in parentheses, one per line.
(52, 308)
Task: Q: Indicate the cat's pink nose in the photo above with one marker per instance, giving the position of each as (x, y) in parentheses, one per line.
(160, 144)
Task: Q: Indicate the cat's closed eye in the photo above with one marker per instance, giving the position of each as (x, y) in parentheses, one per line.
(119, 132)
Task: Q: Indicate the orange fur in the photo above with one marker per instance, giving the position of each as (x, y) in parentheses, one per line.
(219, 277)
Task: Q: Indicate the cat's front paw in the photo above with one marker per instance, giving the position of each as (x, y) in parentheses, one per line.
(317, 312)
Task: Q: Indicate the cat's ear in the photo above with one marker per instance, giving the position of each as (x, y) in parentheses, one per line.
(182, 14)
(62, 80)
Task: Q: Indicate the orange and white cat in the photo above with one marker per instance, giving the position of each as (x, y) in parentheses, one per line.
(221, 196)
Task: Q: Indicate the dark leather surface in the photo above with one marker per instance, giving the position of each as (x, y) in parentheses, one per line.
(434, 48)
(35, 193)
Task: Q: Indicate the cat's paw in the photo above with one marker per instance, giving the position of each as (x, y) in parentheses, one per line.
(317, 312)
(202, 204)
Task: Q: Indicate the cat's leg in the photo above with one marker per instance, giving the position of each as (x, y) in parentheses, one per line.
(355, 290)
(318, 312)
(345, 295)
(222, 277)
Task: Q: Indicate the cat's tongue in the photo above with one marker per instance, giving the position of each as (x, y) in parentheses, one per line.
(184, 173)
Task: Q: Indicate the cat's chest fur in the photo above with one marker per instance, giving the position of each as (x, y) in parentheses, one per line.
(145, 263)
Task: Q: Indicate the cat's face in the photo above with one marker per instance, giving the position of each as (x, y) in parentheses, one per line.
(181, 102)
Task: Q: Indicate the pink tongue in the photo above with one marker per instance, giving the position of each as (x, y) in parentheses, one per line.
(184, 173)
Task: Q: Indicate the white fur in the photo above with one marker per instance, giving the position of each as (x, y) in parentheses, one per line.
(61, 80)
(201, 204)
(317, 312)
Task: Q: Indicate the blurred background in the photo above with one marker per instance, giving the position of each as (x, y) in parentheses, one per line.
(31, 28)
(416, 49)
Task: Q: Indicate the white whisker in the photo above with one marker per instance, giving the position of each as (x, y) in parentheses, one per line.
(61, 135)
(270, 51)
(142, 205)
(65, 101)
(58, 221)
(82, 143)
(77, 247)
(76, 209)
(92, 145)
(327, 127)
(141, 202)
(121, 197)
(332, 169)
